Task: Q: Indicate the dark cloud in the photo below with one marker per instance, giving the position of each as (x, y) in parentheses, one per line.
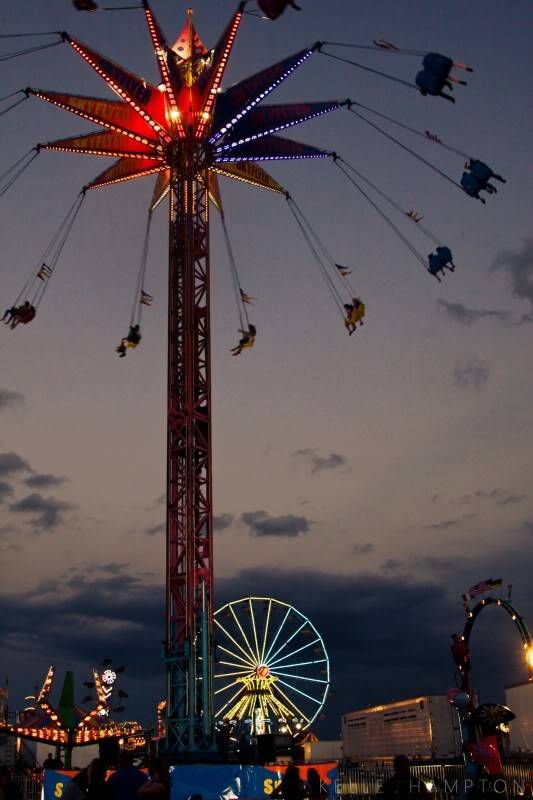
(467, 316)
(511, 499)
(499, 496)
(113, 568)
(222, 521)
(518, 265)
(11, 399)
(155, 529)
(392, 565)
(48, 512)
(11, 463)
(387, 635)
(263, 524)
(159, 501)
(446, 524)
(320, 463)
(5, 491)
(473, 373)
(363, 549)
(78, 619)
(44, 481)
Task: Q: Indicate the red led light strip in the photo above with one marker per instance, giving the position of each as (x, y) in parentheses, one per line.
(116, 88)
(110, 153)
(242, 179)
(159, 49)
(217, 78)
(97, 120)
(125, 178)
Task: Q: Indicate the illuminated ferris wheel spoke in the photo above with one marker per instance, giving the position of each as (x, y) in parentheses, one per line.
(289, 655)
(228, 686)
(280, 708)
(265, 635)
(248, 645)
(231, 674)
(230, 701)
(236, 643)
(293, 705)
(239, 709)
(298, 677)
(298, 691)
(283, 646)
(304, 663)
(277, 634)
(247, 664)
(254, 628)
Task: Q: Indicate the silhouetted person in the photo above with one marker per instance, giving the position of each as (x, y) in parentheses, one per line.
(77, 788)
(315, 787)
(127, 780)
(49, 762)
(158, 784)
(401, 785)
(98, 789)
(291, 787)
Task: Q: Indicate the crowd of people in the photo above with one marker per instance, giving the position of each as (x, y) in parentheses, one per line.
(126, 783)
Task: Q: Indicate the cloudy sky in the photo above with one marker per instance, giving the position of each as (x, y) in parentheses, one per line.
(369, 479)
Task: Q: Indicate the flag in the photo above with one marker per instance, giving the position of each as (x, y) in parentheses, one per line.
(44, 272)
(246, 297)
(414, 215)
(482, 587)
(385, 45)
(433, 137)
(344, 271)
(146, 299)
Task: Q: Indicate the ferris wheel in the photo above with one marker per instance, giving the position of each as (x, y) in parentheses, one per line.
(271, 667)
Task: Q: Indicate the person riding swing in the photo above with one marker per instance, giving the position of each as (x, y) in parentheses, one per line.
(355, 311)
(247, 340)
(132, 340)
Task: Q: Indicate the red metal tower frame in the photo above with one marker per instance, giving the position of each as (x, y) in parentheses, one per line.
(187, 132)
(189, 493)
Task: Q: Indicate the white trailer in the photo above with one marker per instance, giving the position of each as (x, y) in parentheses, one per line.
(519, 698)
(422, 728)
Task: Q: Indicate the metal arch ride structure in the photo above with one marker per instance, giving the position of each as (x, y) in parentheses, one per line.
(473, 614)
(186, 130)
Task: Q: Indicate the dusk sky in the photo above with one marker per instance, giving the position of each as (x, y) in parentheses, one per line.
(393, 467)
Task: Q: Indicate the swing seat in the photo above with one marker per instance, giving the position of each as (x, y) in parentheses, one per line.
(445, 255)
(435, 264)
(249, 343)
(359, 313)
(84, 5)
(481, 172)
(471, 184)
(438, 65)
(429, 83)
(355, 315)
(131, 345)
(275, 8)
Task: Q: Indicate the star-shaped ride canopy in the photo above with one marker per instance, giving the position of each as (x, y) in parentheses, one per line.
(147, 121)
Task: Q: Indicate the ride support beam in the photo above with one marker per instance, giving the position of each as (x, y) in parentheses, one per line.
(189, 614)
